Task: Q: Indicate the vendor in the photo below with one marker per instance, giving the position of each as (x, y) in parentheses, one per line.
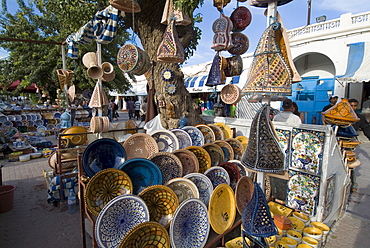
(362, 123)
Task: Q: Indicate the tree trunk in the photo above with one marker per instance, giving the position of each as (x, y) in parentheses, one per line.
(150, 31)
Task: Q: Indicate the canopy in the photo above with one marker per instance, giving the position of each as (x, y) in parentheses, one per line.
(358, 65)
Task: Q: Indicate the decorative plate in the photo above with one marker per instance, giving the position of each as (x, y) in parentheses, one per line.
(188, 160)
(302, 193)
(303, 160)
(102, 154)
(203, 184)
(183, 188)
(203, 157)
(162, 203)
(76, 140)
(237, 148)
(104, 186)
(12, 118)
(195, 135)
(221, 209)
(168, 163)
(167, 75)
(143, 173)
(243, 193)
(244, 140)
(225, 129)
(147, 234)
(37, 122)
(4, 118)
(226, 148)
(215, 152)
(190, 226)
(140, 145)
(57, 115)
(183, 138)
(242, 169)
(118, 217)
(283, 141)
(217, 175)
(219, 134)
(170, 89)
(166, 140)
(233, 172)
(41, 129)
(307, 141)
(208, 134)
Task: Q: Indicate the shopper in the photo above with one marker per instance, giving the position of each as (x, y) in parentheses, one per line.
(143, 109)
(297, 113)
(333, 100)
(362, 124)
(131, 108)
(287, 115)
(137, 109)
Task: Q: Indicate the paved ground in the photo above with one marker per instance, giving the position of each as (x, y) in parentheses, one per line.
(34, 223)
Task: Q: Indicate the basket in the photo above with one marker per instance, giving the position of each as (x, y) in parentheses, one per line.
(6, 198)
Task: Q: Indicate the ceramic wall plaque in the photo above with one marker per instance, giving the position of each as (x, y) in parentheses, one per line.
(303, 192)
(284, 138)
(306, 151)
(329, 195)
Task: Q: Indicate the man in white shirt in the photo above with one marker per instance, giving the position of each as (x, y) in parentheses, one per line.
(287, 115)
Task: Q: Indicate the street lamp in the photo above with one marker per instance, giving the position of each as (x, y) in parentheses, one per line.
(309, 12)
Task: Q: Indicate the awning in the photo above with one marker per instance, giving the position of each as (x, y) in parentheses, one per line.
(358, 65)
(197, 84)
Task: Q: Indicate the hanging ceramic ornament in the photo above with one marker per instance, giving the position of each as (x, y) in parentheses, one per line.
(241, 18)
(263, 152)
(170, 89)
(133, 59)
(222, 37)
(161, 102)
(170, 50)
(98, 98)
(341, 114)
(181, 18)
(220, 4)
(234, 66)
(264, 3)
(269, 72)
(240, 43)
(167, 75)
(130, 6)
(215, 76)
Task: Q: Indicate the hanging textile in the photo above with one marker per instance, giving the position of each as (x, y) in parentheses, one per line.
(102, 28)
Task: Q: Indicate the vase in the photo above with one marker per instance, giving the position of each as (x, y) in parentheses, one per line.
(90, 60)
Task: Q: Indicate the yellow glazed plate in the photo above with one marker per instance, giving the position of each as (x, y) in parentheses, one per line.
(222, 208)
(244, 141)
(225, 129)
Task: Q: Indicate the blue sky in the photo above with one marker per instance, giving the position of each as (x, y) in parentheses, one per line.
(294, 15)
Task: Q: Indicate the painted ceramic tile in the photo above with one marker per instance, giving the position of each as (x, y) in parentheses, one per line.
(284, 137)
(306, 150)
(303, 192)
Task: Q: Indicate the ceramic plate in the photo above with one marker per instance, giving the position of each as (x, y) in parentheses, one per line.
(243, 193)
(242, 169)
(147, 234)
(188, 160)
(190, 226)
(219, 134)
(305, 161)
(75, 140)
(244, 140)
(203, 157)
(221, 209)
(166, 140)
(41, 129)
(119, 136)
(226, 148)
(118, 217)
(208, 134)
(102, 154)
(217, 175)
(203, 184)
(4, 118)
(143, 173)
(195, 135)
(168, 163)
(225, 129)
(131, 124)
(307, 141)
(233, 172)
(11, 117)
(104, 186)
(302, 193)
(162, 203)
(140, 145)
(237, 148)
(183, 188)
(283, 141)
(215, 152)
(183, 137)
